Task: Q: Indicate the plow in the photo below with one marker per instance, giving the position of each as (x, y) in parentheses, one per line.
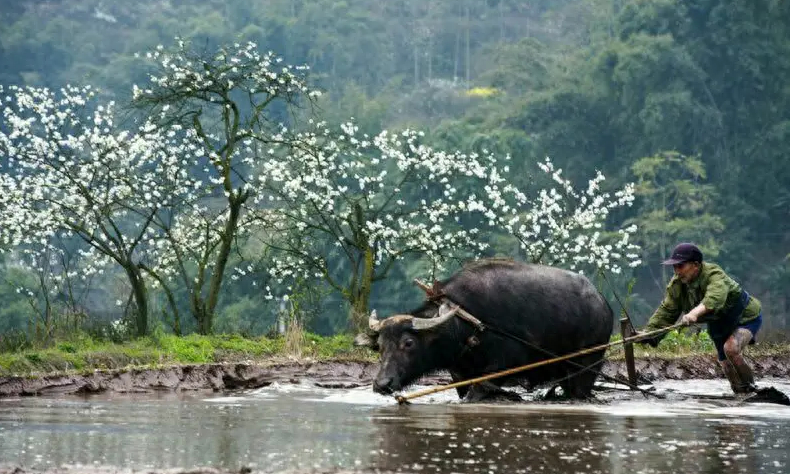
(629, 336)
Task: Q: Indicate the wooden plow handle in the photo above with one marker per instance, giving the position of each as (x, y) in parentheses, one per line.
(461, 313)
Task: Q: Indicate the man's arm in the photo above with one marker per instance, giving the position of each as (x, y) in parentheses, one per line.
(666, 314)
(696, 312)
(715, 297)
(713, 300)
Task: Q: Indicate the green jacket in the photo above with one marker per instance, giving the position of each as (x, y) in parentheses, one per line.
(712, 287)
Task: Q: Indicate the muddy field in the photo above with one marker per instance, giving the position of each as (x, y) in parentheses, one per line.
(339, 374)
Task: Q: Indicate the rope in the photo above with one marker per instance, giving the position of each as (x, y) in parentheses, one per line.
(574, 363)
(622, 306)
(404, 398)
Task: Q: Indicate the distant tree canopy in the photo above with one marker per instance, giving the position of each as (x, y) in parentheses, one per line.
(687, 97)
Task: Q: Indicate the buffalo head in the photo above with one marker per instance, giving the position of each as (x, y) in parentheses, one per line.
(407, 345)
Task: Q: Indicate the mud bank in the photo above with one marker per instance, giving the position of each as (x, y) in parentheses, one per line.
(102, 470)
(326, 374)
(214, 377)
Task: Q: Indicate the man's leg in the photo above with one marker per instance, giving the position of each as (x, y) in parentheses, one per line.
(735, 367)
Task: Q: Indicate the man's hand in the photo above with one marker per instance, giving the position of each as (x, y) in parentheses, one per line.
(651, 341)
(689, 318)
(692, 317)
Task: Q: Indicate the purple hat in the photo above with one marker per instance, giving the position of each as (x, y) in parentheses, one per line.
(684, 253)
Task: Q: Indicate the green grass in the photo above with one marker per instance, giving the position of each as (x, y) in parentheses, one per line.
(684, 343)
(85, 354)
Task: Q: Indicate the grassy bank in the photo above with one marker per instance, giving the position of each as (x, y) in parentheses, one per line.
(684, 343)
(84, 354)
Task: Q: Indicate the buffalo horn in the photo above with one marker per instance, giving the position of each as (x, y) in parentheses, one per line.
(376, 325)
(420, 324)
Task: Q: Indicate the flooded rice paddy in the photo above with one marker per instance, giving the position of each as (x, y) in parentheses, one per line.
(301, 427)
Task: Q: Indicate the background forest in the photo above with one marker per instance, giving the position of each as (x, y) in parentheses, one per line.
(687, 99)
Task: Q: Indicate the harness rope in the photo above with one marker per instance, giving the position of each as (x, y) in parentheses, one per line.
(622, 306)
(583, 368)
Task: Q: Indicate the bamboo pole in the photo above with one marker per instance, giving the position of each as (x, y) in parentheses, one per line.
(405, 398)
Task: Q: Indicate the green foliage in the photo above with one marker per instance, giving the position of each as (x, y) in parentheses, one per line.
(192, 348)
(14, 341)
(340, 345)
(16, 313)
(250, 347)
(244, 314)
(685, 341)
(679, 343)
(67, 347)
(675, 205)
(593, 84)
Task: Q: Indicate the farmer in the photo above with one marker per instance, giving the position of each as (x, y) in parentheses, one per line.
(702, 292)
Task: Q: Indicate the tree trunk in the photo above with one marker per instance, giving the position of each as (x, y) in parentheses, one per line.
(360, 295)
(359, 313)
(140, 293)
(198, 308)
(206, 320)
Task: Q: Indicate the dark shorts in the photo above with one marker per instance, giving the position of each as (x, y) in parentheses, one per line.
(753, 326)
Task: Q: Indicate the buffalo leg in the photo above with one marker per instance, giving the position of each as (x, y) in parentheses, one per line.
(580, 385)
(462, 391)
(487, 391)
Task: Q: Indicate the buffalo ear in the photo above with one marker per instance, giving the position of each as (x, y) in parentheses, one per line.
(365, 340)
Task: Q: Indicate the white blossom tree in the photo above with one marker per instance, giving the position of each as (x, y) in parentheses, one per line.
(211, 167)
(568, 227)
(65, 171)
(230, 101)
(378, 199)
(372, 201)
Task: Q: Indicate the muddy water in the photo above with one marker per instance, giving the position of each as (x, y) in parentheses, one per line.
(287, 427)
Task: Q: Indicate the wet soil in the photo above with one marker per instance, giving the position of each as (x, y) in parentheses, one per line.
(326, 374)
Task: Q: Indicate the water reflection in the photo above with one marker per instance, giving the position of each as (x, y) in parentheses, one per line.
(270, 434)
(485, 439)
(492, 439)
(289, 428)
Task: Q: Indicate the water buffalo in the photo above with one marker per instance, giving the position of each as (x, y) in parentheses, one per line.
(552, 309)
